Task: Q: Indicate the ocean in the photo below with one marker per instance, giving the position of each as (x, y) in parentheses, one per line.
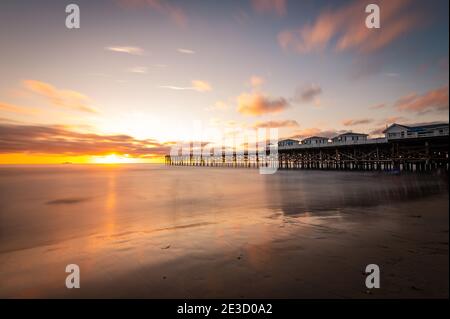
(154, 231)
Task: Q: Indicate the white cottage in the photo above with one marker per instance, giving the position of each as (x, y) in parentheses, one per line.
(397, 131)
(288, 142)
(315, 140)
(350, 138)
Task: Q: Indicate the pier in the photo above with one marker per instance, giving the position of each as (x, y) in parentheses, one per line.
(422, 151)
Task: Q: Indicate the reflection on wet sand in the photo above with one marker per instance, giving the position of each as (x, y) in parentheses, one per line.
(325, 192)
(151, 231)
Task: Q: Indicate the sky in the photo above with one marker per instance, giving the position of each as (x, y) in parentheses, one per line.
(140, 75)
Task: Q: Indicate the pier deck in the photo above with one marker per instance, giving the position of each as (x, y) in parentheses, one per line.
(409, 154)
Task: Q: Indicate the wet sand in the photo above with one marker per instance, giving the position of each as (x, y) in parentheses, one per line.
(149, 231)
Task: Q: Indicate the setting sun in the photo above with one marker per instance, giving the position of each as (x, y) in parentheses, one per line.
(114, 159)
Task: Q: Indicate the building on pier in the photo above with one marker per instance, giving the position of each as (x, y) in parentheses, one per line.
(315, 140)
(288, 142)
(398, 131)
(349, 137)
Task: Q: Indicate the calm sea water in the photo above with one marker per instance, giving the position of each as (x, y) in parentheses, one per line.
(150, 230)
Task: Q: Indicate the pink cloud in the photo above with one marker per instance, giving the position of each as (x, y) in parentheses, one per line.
(346, 25)
(433, 100)
(392, 119)
(354, 122)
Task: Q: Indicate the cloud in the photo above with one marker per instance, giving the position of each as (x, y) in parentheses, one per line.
(186, 51)
(345, 28)
(378, 131)
(277, 7)
(62, 98)
(175, 13)
(126, 49)
(276, 124)
(197, 85)
(254, 104)
(309, 93)
(138, 69)
(11, 108)
(314, 131)
(392, 119)
(354, 122)
(41, 139)
(201, 86)
(256, 81)
(176, 88)
(434, 100)
(377, 106)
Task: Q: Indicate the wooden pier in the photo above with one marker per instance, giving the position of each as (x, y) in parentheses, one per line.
(409, 154)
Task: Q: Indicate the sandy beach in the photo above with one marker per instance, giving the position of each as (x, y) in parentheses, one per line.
(149, 231)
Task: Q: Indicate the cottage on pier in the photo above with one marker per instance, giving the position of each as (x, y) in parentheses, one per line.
(349, 138)
(397, 131)
(288, 142)
(315, 140)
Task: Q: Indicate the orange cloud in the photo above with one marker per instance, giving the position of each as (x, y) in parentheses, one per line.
(17, 109)
(354, 122)
(347, 26)
(275, 124)
(314, 131)
(41, 139)
(270, 6)
(257, 104)
(201, 86)
(197, 85)
(61, 98)
(433, 100)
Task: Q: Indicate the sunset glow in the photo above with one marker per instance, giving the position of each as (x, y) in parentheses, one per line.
(114, 159)
(238, 157)
(140, 79)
